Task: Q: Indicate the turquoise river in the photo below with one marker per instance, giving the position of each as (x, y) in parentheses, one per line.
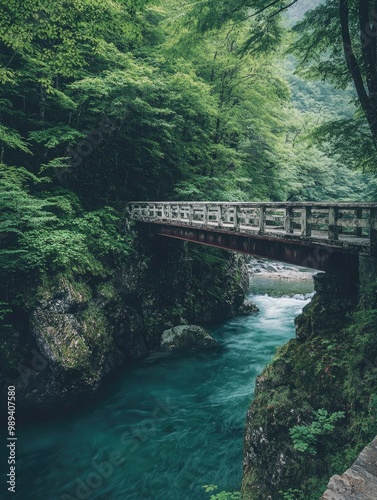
(166, 426)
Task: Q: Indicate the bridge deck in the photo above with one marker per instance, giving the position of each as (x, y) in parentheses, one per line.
(350, 227)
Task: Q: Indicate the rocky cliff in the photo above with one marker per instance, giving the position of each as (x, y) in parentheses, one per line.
(69, 334)
(315, 405)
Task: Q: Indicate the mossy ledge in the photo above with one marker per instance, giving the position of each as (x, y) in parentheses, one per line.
(68, 333)
(332, 366)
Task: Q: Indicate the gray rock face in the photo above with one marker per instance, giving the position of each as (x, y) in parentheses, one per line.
(359, 482)
(187, 338)
(247, 308)
(74, 348)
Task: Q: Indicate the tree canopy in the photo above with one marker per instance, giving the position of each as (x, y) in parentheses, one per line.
(104, 101)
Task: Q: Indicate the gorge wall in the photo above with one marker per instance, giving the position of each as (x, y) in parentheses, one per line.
(70, 333)
(315, 405)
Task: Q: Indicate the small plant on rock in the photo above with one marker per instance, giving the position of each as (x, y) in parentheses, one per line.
(222, 495)
(305, 437)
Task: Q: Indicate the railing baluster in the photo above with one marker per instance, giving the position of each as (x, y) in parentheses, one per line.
(236, 219)
(262, 219)
(205, 215)
(306, 229)
(333, 220)
(288, 220)
(220, 216)
(358, 231)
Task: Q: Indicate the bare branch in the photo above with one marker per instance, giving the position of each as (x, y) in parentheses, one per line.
(263, 9)
(283, 8)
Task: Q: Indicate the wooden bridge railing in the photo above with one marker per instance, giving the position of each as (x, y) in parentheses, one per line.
(337, 223)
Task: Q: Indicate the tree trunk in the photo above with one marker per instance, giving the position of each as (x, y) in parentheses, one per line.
(367, 39)
(367, 102)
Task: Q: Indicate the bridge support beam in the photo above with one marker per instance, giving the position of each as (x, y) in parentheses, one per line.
(298, 252)
(335, 296)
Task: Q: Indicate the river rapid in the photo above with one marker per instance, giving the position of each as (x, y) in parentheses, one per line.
(166, 426)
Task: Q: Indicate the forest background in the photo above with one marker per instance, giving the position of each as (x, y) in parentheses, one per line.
(107, 101)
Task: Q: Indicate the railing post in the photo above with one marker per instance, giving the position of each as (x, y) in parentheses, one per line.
(373, 231)
(205, 215)
(191, 213)
(333, 220)
(236, 220)
(170, 211)
(167, 211)
(262, 219)
(306, 228)
(288, 220)
(358, 231)
(220, 216)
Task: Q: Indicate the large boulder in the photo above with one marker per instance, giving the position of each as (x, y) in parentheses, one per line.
(187, 338)
(71, 349)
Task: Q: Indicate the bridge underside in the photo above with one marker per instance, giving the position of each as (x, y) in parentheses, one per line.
(303, 252)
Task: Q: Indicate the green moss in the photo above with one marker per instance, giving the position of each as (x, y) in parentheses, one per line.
(332, 367)
(106, 290)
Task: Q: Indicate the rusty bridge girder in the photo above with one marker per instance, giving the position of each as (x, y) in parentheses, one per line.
(323, 236)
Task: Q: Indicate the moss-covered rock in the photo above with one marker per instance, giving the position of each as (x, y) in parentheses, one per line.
(68, 333)
(187, 338)
(331, 366)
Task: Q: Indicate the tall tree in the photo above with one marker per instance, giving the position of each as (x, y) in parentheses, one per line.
(337, 41)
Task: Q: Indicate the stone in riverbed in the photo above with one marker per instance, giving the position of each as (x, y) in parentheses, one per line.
(188, 338)
(247, 308)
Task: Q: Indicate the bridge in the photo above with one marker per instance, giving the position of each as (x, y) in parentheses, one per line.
(324, 236)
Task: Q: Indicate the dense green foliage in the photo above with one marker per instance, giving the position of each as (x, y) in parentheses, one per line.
(105, 101)
(222, 495)
(334, 41)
